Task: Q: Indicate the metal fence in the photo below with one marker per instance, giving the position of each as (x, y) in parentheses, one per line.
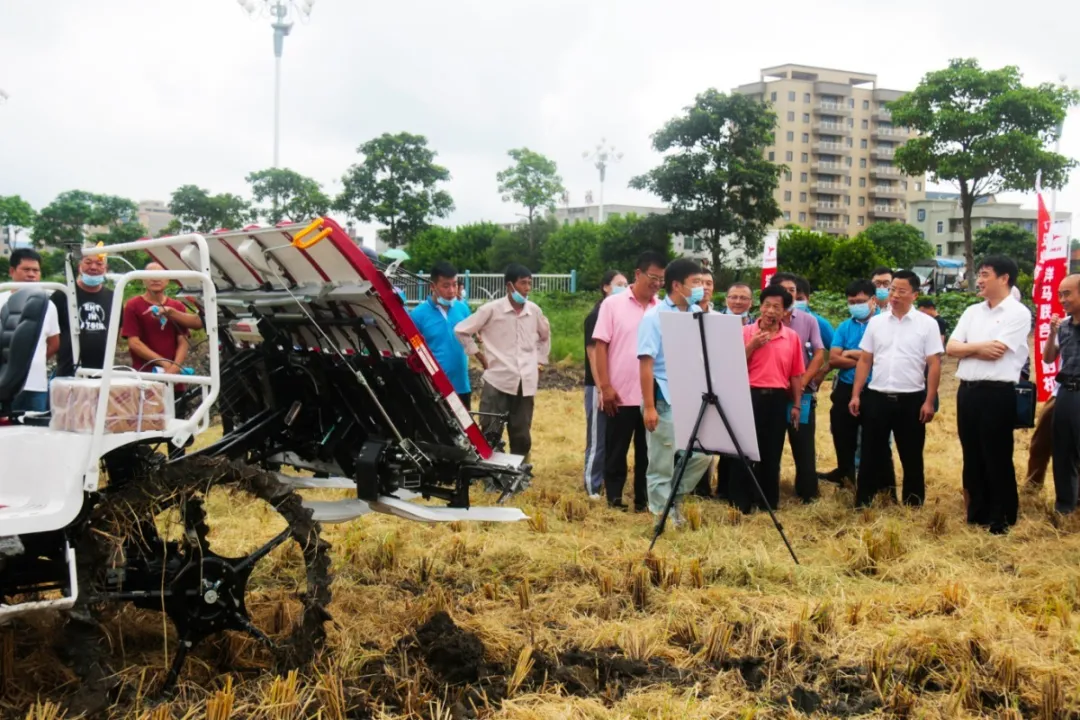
(481, 287)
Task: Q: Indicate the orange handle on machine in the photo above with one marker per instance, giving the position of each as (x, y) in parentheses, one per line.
(301, 244)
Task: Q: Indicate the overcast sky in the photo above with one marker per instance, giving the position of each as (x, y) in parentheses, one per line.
(137, 97)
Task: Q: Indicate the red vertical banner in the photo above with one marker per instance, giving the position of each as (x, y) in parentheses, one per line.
(768, 260)
(1051, 267)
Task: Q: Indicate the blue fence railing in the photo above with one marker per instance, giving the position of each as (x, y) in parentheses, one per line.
(481, 287)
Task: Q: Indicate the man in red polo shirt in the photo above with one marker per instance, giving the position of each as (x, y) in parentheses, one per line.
(774, 359)
(156, 328)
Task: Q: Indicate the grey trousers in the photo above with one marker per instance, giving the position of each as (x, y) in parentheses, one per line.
(518, 424)
(595, 427)
(1066, 434)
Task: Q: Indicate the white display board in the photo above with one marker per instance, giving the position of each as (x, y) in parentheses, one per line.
(731, 382)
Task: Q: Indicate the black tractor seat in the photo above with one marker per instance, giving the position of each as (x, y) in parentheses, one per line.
(22, 320)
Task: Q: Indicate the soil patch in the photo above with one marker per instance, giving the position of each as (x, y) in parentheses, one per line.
(454, 655)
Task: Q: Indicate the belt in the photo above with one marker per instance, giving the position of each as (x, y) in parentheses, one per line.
(896, 395)
(1070, 385)
(768, 391)
(987, 384)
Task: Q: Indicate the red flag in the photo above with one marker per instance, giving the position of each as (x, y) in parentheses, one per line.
(1051, 267)
(768, 260)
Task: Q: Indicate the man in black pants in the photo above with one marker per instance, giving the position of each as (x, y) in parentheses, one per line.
(991, 342)
(617, 376)
(896, 346)
(844, 356)
(774, 363)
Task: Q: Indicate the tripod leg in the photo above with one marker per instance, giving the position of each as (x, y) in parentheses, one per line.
(750, 471)
(680, 470)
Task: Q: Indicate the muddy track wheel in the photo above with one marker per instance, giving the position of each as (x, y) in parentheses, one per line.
(203, 590)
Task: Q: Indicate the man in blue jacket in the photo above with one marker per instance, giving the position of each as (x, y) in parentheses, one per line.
(435, 318)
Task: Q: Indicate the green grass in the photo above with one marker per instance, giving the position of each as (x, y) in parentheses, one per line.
(566, 313)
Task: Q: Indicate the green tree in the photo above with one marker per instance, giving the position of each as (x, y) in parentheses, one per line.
(851, 258)
(715, 175)
(532, 181)
(196, 210)
(76, 216)
(291, 196)
(511, 248)
(1010, 240)
(576, 247)
(396, 184)
(984, 131)
(900, 241)
(466, 247)
(626, 237)
(15, 212)
(805, 253)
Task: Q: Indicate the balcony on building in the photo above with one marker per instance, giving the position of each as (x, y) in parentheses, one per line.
(829, 167)
(831, 128)
(887, 191)
(885, 171)
(892, 212)
(829, 226)
(828, 187)
(826, 107)
(827, 207)
(885, 153)
(831, 148)
(882, 115)
(890, 133)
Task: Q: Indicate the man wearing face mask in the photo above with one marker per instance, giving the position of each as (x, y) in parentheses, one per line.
(881, 279)
(844, 355)
(682, 283)
(517, 340)
(436, 318)
(94, 303)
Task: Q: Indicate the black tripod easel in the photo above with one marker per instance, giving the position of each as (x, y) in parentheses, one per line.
(709, 399)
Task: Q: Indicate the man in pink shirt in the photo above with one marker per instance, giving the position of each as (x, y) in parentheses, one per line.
(517, 340)
(774, 359)
(617, 376)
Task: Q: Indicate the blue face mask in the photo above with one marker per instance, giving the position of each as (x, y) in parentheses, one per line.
(802, 305)
(443, 301)
(92, 280)
(882, 294)
(616, 289)
(859, 311)
(696, 295)
(518, 297)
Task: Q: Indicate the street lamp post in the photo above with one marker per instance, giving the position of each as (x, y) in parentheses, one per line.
(601, 157)
(282, 13)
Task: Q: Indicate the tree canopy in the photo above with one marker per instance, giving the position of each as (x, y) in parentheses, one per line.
(715, 175)
(1007, 239)
(805, 252)
(532, 181)
(73, 214)
(291, 196)
(984, 131)
(196, 210)
(902, 242)
(14, 211)
(396, 184)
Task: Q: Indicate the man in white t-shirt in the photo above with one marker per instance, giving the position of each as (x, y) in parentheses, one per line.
(26, 267)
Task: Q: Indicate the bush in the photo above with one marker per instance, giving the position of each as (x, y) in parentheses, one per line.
(805, 253)
(575, 247)
(851, 258)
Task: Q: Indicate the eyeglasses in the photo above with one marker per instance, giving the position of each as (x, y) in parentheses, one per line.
(658, 279)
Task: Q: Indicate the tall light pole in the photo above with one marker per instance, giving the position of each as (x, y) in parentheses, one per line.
(281, 13)
(601, 157)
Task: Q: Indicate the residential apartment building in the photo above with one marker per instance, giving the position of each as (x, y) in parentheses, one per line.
(154, 215)
(941, 222)
(837, 140)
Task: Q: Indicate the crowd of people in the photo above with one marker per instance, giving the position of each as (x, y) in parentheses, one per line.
(887, 358)
(156, 326)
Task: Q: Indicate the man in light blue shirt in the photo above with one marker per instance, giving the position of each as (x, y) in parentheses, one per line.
(435, 318)
(683, 287)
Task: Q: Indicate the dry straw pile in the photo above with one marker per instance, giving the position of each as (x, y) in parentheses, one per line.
(894, 612)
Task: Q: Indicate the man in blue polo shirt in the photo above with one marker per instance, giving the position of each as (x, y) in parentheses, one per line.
(435, 318)
(844, 355)
(683, 288)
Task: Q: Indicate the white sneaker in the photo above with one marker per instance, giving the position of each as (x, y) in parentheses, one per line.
(596, 496)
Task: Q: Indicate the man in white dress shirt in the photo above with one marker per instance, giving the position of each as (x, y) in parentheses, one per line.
(991, 342)
(898, 345)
